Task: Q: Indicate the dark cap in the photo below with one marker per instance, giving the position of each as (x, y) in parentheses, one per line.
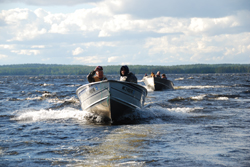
(98, 68)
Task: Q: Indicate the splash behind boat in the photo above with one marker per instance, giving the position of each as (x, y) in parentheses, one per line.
(155, 83)
(111, 99)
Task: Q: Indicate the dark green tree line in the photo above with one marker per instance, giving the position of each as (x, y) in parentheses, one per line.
(55, 69)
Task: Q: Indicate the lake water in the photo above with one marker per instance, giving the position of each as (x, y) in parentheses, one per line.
(205, 121)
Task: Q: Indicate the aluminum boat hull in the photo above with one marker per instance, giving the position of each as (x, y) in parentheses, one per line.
(111, 99)
(155, 83)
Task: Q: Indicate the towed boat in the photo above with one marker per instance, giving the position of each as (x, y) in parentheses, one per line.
(155, 83)
(111, 99)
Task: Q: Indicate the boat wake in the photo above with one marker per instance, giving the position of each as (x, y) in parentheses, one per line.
(146, 115)
(50, 114)
(200, 87)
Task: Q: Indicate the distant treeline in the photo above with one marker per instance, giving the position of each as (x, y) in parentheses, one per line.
(55, 69)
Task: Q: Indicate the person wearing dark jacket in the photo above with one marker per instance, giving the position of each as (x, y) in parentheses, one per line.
(99, 75)
(126, 75)
(163, 76)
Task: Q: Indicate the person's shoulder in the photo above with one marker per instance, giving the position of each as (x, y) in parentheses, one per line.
(131, 73)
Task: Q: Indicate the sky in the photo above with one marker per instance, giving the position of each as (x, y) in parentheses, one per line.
(119, 32)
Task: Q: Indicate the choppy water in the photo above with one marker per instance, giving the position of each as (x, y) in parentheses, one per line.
(205, 121)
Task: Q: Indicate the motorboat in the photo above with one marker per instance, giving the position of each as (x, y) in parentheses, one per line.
(157, 83)
(111, 99)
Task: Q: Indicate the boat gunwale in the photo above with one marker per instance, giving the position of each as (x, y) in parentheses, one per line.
(138, 86)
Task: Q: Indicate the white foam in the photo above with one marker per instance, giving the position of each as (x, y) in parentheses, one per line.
(34, 98)
(47, 95)
(221, 98)
(47, 84)
(159, 112)
(200, 87)
(178, 79)
(184, 110)
(200, 97)
(73, 85)
(154, 114)
(43, 115)
(72, 100)
(132, 163)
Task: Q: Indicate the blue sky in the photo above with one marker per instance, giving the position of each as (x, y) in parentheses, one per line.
(115, 32)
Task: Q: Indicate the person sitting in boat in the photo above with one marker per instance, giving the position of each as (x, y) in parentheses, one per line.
(126, 75)
(96, 75)
(163, 76)
(158, 74)
(145, 75)
(152, 74)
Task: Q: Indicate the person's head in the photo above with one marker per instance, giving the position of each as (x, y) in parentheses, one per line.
(99, 71)
(158, 73)
(124, 70)
(163, 76)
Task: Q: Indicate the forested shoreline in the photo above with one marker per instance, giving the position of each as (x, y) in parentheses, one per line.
(56, 69)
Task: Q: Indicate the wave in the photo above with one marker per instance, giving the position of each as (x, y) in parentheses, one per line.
(44, 115)
(206, 97)
(34, 98)
(44, 84)
(179, 79)
(151, 115)
(200, 87)
(70, 100)
(158, 115)
(199, 97)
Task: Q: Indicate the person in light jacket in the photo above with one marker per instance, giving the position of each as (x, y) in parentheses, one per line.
(96, 75)
(126, 75)
(158, 74)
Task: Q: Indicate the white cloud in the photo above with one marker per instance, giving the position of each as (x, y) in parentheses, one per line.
(15, 16)
(7, 46)
(113, 59)
(201, 49)
(178, 8)
(53, 2)
(125, 63)
(99, 44)
(161, 33)
(21, 24)
(103, 33)
(77, 51)
(3, 56)
(46, 59)
(28, 25)
(26, 52)
(41, 13)
(88, 60)
(38, 46)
